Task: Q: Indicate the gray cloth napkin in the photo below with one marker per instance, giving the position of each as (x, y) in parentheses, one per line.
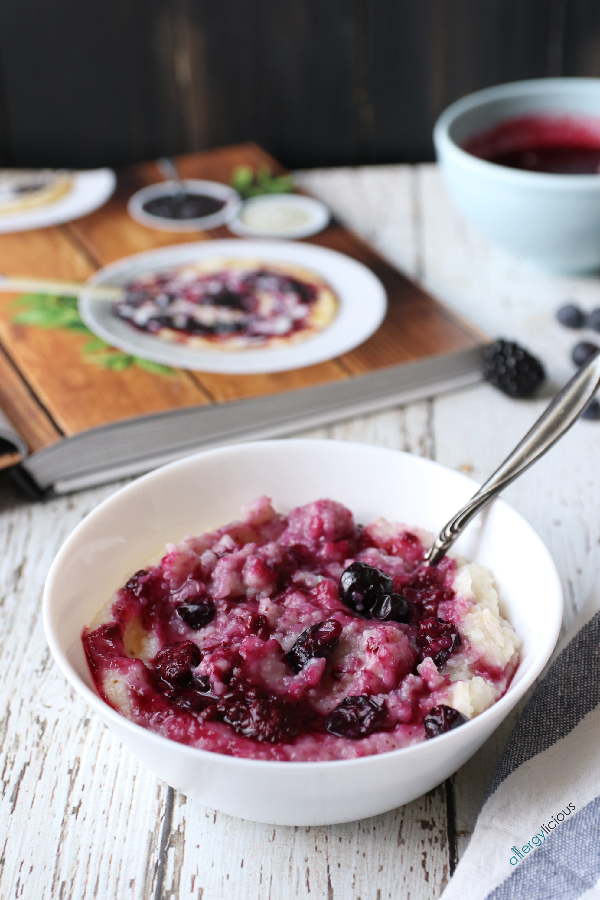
(538, 834)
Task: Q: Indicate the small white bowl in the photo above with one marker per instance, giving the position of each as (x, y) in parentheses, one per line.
(291, 216)
(201, 492)
(553, 220)
(195, 186)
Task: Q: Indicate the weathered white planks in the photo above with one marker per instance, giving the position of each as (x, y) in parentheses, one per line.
(79, 818)
(474, 430)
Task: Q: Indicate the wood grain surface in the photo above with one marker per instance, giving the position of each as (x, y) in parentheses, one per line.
(78, 394)
(81, 819)
(317, 83)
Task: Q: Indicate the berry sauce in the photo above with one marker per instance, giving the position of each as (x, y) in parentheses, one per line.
(296, 637)
(560, 144)
(183, 206)
(235, 306)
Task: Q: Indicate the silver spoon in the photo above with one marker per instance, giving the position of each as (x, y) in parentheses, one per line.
(556, 419)
(168, 170)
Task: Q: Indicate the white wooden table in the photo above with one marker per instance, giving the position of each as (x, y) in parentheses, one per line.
(81, 818)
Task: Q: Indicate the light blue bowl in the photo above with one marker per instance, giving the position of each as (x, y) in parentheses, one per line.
(552, 220)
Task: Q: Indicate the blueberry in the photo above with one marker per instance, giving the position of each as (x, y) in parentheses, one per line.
(361, 585)
(135, 585)
(583, 352)
(441, 719)
(265, 717)
(356, 717)
(197, 615)
(391, 608)
(571, 316)
(174, 663)
(593, 320)
(592, 411)
(317, 641)
(190, 699)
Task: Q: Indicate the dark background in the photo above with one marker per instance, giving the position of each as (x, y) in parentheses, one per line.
(316, 82)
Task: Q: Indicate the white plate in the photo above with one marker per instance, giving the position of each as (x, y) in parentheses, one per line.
(90, 189)
(315, 214)
(361, 298)
(232, 199)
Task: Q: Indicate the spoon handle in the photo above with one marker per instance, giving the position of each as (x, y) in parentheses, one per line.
(556, 419)
(17, 285)
(168, 170)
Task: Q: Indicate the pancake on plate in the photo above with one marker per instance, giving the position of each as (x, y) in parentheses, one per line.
(24, 189)
(229, 304)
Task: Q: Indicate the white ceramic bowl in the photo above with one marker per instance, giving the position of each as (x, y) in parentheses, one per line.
(215, 189)
(201, 492)
(553, 220)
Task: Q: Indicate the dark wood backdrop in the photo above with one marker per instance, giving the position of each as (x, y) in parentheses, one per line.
(317, 82)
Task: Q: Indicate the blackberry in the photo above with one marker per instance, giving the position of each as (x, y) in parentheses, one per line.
(264, 717)
(317, 641)
(583, 352)
(391, 608)
(441, 719)
(571, 316)
(356, 717)
(174, 663)
(197, 615)
(512, 369)
(361, 585)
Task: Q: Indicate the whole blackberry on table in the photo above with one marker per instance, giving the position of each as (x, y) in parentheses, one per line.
(512, 369)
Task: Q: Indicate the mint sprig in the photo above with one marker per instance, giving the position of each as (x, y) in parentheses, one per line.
(250, 183)
(46, 311)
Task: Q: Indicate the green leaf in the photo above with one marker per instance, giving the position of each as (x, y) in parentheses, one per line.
(242, 178)
(45, 318)
(47, 311)
(120, 363)
(94, 345)
(282, 185)
(155, 368)
(79, 327)
(114, 360)
(254, 184)
(65, 318)
(263, 175)
(39, 301)
(69, 303)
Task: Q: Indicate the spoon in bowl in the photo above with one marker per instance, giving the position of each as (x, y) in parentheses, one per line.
(556, 419)
(168, 170)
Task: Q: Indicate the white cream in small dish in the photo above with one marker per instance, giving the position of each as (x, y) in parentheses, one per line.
(291, 216)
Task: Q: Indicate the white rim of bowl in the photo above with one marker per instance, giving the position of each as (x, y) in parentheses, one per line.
(194, 185)
(445, 144)
(106, 711)
(320, 216)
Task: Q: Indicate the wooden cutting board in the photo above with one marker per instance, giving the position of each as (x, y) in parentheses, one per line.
(51, 387)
